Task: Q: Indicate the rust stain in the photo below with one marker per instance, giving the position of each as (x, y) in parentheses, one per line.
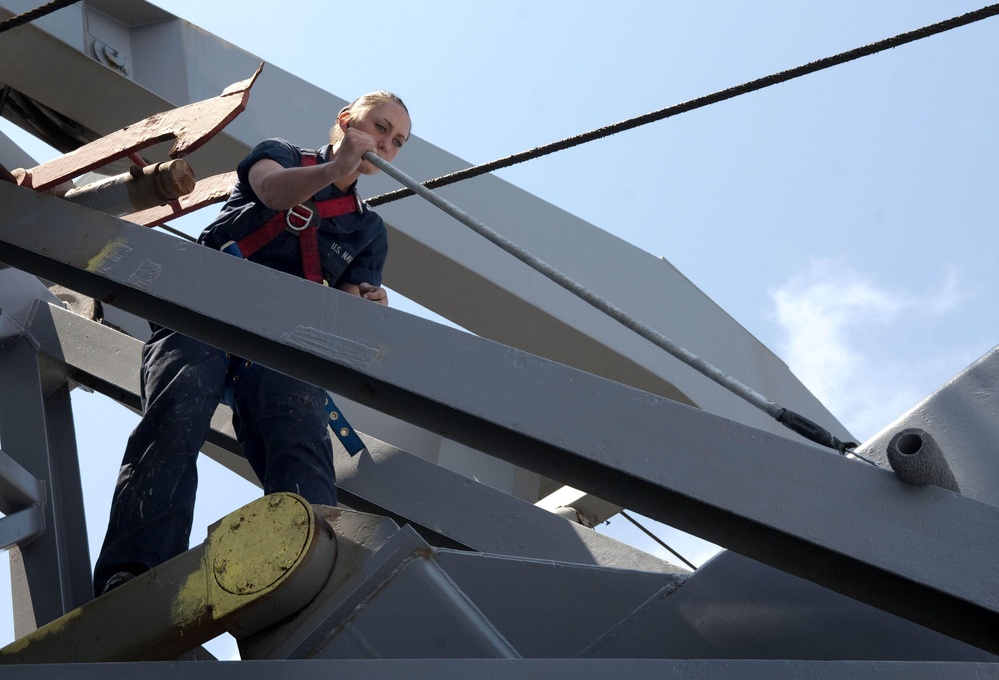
(191, 126)
(214, 189)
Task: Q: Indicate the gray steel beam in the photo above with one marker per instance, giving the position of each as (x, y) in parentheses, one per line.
(925, 554)
(164, 56)
(511, 669)
(736, 608)
(474, 516)
(510, 304)
(21, 526)
(18, 487)
(391, 481)
(36, 428)
(21, 498)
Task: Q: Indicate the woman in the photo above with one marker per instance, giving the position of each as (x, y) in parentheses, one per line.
(295, 211)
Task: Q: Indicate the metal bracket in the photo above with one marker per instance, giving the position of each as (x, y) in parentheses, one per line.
(259, 565)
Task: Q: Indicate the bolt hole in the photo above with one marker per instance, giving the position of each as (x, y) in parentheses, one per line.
(910, 444)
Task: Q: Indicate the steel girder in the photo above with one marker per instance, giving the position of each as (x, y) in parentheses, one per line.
(36, 428)
(471, 515)
(510, 303)
(43, 498)
(925, 554)
(510, 669)
(741, 608)
(21, 498)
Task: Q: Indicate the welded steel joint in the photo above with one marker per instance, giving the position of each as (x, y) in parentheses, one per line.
(259, 565)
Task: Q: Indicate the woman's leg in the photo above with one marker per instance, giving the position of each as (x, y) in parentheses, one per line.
(281, 424)
(182, 380)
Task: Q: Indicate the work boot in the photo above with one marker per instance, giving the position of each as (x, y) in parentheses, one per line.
(119, 579)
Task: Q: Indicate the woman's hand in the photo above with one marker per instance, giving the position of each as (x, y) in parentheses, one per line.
(350, 152)
(366, 291)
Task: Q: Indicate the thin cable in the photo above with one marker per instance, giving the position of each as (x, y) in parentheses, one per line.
(86, 22)
(176, 232)
(37, 13)
(661, 114)
(657, 539)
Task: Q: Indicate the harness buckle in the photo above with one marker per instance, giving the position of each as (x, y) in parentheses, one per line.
(302, 215)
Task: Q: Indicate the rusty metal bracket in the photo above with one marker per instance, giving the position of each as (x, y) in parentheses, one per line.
(190, 125)
(214, 189)
(259, 565)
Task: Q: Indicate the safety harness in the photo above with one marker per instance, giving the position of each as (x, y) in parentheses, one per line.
(303, 221)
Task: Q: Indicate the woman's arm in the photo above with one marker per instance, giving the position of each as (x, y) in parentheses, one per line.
(280, 188)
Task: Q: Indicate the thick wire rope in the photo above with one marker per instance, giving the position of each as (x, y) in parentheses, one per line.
(700, 102)
(785, 416)
(657, 539)
(37, 13)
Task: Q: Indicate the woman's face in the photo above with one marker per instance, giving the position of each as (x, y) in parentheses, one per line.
(388, 123)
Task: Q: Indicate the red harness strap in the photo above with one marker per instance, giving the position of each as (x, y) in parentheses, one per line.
(302, 221)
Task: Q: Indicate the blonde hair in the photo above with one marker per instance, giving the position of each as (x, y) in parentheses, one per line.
(364, 103)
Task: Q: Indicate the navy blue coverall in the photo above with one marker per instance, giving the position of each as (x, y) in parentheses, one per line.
(280, 422)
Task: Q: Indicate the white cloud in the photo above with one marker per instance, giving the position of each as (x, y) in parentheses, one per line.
(860, 347)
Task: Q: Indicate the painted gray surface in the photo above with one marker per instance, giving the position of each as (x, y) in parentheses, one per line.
(824, 501)
(513, 669)
(386, 478)
(509, 302)
(925, 555)
(550, 609)
(36, 431)
(392, 596)
(736, 608)
(961, 418)
(417, 613)
(512, 304)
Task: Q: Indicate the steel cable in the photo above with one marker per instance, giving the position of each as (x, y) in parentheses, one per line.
(700, 102)
(657, 540)
(786, 417)
(37, 13)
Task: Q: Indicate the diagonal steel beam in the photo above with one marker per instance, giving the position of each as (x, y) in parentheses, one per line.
(925, 554)
(19, 489)
(474, 515)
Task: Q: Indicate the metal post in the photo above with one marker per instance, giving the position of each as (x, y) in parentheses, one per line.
(36, 428)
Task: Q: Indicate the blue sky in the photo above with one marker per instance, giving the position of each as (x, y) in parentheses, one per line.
(841, 218)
